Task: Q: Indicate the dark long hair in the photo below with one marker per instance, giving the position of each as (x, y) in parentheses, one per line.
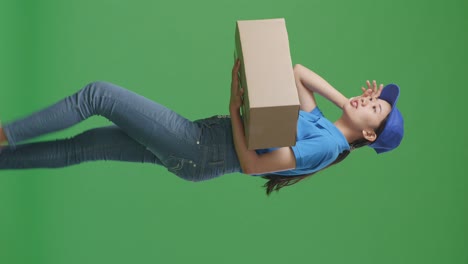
(276, 182)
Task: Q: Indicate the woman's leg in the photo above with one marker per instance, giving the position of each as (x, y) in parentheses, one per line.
(156, 127)
(104, 143)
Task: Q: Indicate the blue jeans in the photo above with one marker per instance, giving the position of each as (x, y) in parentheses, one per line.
(143, 131)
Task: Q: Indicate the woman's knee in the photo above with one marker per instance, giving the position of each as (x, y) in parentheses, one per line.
(98, 85)
(95, 93)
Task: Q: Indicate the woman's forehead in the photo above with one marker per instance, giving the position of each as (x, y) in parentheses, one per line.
(386, 107)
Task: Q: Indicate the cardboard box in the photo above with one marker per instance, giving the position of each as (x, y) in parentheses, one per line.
(271, 102)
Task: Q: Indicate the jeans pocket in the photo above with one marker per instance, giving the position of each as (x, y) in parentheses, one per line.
(213, 130)
(184, 168)
(209, 122)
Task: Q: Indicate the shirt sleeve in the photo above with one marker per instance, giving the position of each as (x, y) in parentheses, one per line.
(313, 154)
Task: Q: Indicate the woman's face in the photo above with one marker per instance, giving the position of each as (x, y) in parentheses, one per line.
(366, 112)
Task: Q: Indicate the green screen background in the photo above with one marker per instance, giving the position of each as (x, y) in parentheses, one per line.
(407, 206)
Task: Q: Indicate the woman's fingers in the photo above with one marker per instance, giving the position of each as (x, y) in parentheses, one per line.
(380, 90)
(235, 72)
(372, 89)
(235, 68)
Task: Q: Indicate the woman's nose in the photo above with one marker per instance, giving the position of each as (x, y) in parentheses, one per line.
(364, 101)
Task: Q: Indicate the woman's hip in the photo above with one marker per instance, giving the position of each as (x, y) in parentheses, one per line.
(211, 155)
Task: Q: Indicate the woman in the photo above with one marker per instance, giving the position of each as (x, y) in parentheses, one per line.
(145, 131)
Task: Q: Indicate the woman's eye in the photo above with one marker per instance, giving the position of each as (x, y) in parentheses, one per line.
(375, 108)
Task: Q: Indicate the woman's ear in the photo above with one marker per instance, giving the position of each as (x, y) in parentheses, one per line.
(369, 134)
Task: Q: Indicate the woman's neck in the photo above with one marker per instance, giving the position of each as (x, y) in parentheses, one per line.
(350, 134)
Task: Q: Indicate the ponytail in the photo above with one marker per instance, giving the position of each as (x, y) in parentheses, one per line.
(276, 182)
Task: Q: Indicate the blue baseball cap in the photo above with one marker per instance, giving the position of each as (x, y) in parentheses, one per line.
(392, 133)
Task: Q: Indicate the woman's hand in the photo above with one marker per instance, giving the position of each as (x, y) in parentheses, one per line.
(372, 91)
(236, 92)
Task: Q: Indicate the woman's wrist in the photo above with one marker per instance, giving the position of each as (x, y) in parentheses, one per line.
(234, 109)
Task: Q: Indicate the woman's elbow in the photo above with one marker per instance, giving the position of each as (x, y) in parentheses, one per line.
(298, 71)
(247, 169)
(297, 67)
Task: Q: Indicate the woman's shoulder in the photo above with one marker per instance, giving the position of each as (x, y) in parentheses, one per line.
(314, 112)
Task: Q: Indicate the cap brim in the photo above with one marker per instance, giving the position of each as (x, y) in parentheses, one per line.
(390, 93)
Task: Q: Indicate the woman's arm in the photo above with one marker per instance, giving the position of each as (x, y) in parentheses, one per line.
(308, 82)
(252, 163)
(245, 156)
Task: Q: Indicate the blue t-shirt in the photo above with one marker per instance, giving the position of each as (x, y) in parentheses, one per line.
(318, 143)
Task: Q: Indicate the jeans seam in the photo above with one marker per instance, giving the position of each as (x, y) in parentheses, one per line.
(56, 155)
